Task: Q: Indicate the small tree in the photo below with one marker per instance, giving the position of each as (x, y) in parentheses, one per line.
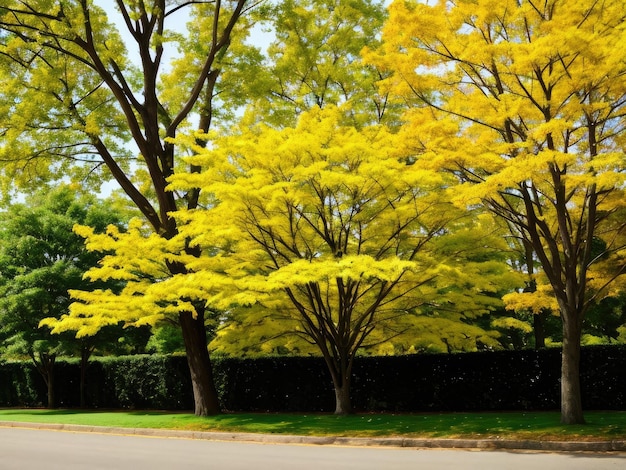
(40, 259)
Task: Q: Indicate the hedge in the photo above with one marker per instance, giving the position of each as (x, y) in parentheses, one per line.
(503, 380)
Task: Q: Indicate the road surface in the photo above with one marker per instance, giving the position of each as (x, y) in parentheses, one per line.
(28, 449)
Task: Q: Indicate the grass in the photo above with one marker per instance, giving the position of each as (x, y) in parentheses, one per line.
(600, 426)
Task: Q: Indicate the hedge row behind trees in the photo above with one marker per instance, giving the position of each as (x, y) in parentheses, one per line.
(505, 380)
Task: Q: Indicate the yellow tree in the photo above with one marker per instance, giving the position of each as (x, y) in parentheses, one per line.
(525, 102)
(71, 93)
(333, 227)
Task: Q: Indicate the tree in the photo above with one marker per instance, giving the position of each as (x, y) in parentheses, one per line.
(314, 61)
(331, 227)
(524, 101)
(72, 96)
(604, 320)
(40, 259)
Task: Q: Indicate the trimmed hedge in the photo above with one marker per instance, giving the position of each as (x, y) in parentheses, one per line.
(503, 380)
(21, 385)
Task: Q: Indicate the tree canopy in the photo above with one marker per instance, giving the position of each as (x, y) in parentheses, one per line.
(40, 260)
(334, 230)
(524, 102)
(314, 61)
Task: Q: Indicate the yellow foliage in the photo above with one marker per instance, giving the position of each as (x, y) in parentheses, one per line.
(151, 293)
(542, 299)
(524, 102)
(512, 323)
(324, 223)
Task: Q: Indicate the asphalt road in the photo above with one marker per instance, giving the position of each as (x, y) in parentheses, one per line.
(28, 449)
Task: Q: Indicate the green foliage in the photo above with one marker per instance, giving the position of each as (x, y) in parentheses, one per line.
(41, 258)
(313, 61)
(21, 385)
(146, 381)
(53, 105)
(604, 320)
(166, 339)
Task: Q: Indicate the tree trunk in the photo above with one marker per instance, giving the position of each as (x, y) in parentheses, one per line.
(46, 368)
(85, 353)
(50, 384)
(571, 401)
(204, 392)
(539, 329)
(341, 373)
(343, 403)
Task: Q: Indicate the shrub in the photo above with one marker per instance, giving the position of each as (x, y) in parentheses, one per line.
(504, 380)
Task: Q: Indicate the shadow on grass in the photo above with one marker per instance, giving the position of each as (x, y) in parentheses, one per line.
(520, 425)
(433, 425)
(449, 425)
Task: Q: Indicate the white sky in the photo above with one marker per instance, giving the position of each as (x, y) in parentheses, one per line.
(176, 22)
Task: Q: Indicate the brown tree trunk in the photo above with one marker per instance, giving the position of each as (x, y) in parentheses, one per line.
(46, 368)
(50, 383)
(85, 353)
(204, 392)
(343, 402)
(571, 401)
(341, 373)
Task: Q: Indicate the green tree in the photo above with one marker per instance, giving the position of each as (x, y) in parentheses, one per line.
(313, 61)
(604, 320)
(40, 259)
(71, 96)
(524, 101)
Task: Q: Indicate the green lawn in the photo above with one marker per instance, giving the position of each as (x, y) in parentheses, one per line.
(519, 425)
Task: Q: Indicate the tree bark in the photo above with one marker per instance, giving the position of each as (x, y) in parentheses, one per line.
(50, 384)
(571, 401)
(85, 354)
(340, 369)
(206, 401)
(539, 329)
(341, 373)
(46, 368)
(343, 402)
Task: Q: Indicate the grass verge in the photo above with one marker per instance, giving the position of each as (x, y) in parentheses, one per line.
(601, 426)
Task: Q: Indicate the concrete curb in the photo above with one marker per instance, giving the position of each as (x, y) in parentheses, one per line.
(418, 443)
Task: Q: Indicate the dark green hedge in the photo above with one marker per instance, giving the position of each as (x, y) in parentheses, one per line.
(504, 380)
(21, 385)
(144, 382)
(275, 384)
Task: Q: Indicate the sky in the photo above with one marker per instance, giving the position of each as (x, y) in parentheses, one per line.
(176, 21)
